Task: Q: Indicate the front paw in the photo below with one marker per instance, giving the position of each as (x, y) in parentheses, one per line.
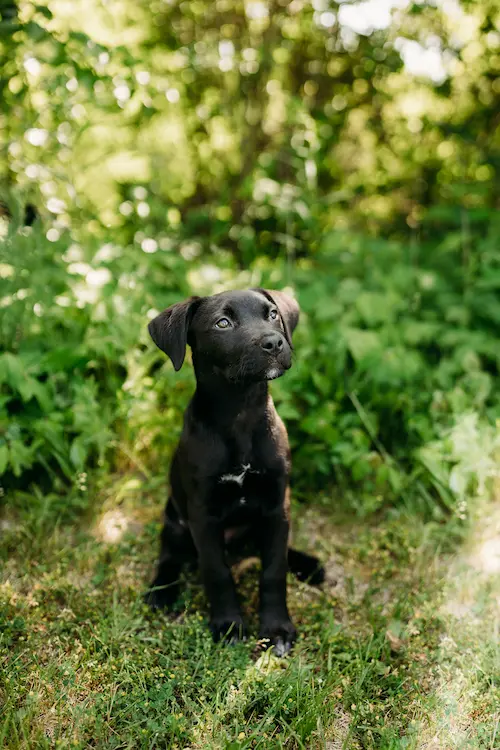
(230, 629)
(162, 596)
(278, 634)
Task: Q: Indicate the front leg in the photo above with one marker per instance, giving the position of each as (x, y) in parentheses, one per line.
(275, 622)
(226, 620)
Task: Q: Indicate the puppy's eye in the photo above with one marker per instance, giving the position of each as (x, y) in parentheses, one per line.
(273, 314)
(223, 323)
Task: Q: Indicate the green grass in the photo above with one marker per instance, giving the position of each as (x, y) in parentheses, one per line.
(399, 650)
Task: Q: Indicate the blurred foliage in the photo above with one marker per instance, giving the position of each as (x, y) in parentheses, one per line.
(179, 147)
(244, 122)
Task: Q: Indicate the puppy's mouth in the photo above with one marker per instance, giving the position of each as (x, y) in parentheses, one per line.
(250, 371)
(274, 372)
(270, 374)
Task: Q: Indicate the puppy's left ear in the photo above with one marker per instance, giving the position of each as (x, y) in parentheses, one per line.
(169, 330)
(288, 307)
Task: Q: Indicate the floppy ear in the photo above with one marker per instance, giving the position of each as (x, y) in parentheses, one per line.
(169, 330)
(288, 307)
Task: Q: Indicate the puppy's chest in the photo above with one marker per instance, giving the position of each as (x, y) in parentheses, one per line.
(240, 491)
(238, 475)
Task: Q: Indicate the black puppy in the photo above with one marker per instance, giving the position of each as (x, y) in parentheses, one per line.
(229, 475)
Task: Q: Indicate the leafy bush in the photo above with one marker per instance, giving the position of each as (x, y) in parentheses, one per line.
(384, 361)
(70, 333)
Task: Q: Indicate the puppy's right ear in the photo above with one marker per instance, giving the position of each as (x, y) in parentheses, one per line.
(169, 330)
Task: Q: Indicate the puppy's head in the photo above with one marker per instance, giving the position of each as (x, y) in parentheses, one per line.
(243, 336)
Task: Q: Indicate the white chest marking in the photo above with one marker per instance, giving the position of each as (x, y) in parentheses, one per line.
(238, 478)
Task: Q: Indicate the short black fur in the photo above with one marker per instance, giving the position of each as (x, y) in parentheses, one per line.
(229, 474)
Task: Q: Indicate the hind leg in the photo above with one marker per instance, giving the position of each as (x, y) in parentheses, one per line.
(305, 567)
(177, 550)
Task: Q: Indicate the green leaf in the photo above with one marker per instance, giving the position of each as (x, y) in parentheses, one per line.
(21, 456)
(35, 31)
(62, 358)
(78, 454)
(362, 344)
(44, 11)
(11, 371)
(289, 412)
(376, 308)
(4, 457)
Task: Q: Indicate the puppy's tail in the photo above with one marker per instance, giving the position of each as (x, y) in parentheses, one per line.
(305, 567)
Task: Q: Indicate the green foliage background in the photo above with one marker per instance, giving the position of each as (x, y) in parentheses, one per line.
(187, 147)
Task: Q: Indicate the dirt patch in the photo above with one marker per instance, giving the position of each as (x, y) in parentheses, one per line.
(338, 732)
(113, 525)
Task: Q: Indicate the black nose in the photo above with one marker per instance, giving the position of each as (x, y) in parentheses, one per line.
(272, 343)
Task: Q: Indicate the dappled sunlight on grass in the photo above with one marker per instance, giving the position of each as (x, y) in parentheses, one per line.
(466, 698)
(112, 526)
(397, 645)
